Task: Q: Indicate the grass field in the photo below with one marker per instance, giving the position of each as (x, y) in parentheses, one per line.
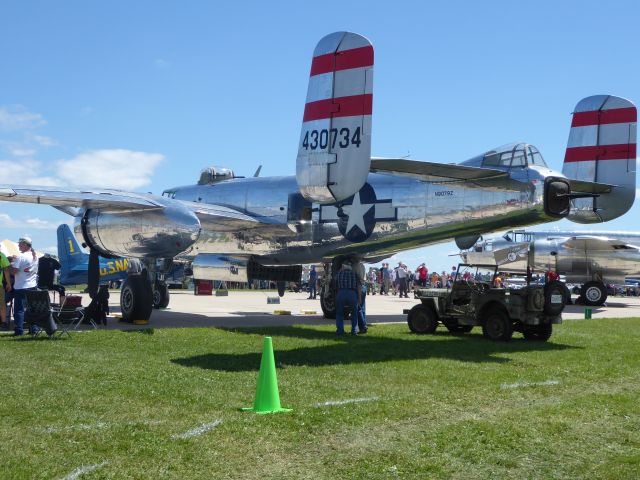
(165, 404)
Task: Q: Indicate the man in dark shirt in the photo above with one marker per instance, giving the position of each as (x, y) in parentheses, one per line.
(348, 286)
(47, 266)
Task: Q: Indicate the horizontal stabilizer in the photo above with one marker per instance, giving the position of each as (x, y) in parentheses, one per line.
(428, 171)
(581, 186)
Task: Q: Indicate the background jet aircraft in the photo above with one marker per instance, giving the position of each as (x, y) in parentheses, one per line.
(343, 202)
(593, 258)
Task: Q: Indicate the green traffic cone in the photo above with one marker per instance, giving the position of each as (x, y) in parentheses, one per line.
(267, 396)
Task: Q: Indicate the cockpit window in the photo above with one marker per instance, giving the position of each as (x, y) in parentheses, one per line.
(518, 158)
(534, 157)
(507, 156)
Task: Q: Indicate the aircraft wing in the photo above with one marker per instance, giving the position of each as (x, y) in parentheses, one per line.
(66, 199)
(429, 171)
(588, 242)
(73, 201)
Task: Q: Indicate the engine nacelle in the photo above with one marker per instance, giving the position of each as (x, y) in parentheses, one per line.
(160, 233)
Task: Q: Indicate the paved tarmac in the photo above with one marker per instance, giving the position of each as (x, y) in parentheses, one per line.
(250, 309)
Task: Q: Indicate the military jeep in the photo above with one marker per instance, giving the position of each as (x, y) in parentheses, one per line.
(531, 309)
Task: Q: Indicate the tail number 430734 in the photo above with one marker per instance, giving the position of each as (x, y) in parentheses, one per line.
(321, 139)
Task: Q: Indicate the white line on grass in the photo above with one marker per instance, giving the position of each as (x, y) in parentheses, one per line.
(78, 472)
(100, 425)
(205, 427)
(506, 386)
(344, 402)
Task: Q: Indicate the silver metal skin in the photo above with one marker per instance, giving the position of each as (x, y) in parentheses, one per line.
(602, 148)
(219, 267)
(605, 257)
(407, 213)
(166, 231)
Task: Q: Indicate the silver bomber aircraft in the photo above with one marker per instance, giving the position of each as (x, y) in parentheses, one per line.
(590, 258)
(344, 202)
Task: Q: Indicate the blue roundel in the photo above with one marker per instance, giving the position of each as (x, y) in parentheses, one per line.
(357, 215)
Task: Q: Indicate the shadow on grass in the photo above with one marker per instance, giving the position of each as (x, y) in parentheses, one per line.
(370, 349)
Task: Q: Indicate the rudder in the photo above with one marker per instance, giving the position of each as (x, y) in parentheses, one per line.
(334, 151)
(602, 149)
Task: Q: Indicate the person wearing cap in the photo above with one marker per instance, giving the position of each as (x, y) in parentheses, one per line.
(25, 269)
(349, 294)
(4, 270)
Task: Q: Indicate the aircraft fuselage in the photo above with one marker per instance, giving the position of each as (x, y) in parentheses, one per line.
(389, 214)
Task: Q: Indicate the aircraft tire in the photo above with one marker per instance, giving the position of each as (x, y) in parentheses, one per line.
(161, 295)
(497, 326)
(594, 293)
(136, 298)
(540, 333)
(422, 319)
(281, 286)
(328, 305)
(551, 290)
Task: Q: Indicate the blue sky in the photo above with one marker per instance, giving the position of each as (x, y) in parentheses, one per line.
(150, 92)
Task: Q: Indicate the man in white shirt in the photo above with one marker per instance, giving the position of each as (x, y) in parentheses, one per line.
(25, 269)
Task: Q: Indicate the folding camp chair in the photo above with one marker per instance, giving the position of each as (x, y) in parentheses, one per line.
(70, 314)
(39, 313)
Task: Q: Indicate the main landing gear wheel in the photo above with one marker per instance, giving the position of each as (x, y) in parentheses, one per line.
(136, 299)
(280, 288)
(594, 293)
(422, 319)
(161, 295)
(541, 333)
(497, 326)
(328, 304)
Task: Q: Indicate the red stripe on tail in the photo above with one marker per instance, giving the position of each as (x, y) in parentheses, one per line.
(354, 58)
(602, 152)
(339, 107)
(602, 117)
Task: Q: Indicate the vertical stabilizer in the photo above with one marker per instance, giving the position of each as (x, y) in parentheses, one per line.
(602, 149)
(334, 151)
(70, 253)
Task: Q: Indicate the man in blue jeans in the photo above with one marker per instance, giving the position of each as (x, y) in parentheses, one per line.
(348, 287)
(25, 269)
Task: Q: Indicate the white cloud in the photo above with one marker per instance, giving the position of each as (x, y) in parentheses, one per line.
(25, 172)
(116, 168)
(22, 151)
(19, 118)
(28, 224)
(43, 140)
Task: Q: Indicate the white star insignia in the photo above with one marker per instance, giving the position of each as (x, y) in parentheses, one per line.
(356, 212)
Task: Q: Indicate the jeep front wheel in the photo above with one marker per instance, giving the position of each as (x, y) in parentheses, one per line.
(497, 326)
(422, 319)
